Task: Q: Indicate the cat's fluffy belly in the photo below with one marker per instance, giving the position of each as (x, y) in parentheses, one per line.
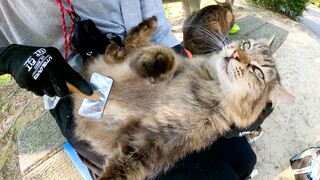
(162, 107)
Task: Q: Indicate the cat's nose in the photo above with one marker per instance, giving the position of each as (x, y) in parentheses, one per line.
(236, 55)
(240, 56)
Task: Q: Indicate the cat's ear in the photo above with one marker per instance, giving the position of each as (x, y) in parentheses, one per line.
(227, 2)
(280, 96)
(270, 41)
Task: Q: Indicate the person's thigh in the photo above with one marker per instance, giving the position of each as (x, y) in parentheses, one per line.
(237, 152)
(226, 159)
(63, 114)
(200, 166)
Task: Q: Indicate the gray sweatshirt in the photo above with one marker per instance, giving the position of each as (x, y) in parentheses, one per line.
(38, 22)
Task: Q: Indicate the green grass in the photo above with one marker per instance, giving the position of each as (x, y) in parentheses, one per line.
(167, 10)
(316, 2)
(5, 78)
(5, 155)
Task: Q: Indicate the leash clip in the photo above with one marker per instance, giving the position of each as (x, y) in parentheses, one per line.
(74, 17)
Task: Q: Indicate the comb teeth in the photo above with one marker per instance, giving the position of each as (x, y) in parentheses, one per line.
(92, 108)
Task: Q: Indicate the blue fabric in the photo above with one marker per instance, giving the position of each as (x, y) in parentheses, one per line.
(82, 169)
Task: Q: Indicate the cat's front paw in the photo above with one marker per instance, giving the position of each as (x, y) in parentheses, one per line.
(147, 27)
(158, 63)
(114, 53)
(140, 35)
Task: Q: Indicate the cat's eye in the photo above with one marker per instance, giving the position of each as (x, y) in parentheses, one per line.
(246, 46)
(257, 72)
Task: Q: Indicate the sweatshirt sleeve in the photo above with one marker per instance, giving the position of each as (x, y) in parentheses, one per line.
(3, 45)
(3, 41)
(163, 34)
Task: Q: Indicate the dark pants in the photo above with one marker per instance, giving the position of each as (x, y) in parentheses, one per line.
(226, 159)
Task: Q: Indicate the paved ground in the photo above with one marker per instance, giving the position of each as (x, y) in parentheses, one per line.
(289, 129)
(311, 18)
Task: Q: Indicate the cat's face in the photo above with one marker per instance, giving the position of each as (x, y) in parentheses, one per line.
(249, 79)
(246, 68)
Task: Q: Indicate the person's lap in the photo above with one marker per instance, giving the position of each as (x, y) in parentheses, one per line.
(230, 158)
(226, 159)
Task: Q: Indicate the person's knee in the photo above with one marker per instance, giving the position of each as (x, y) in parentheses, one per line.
(250, 161)
(247, 164)
(238, 153)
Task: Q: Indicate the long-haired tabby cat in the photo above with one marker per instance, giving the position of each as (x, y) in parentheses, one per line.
(214, 21)
(163, 107)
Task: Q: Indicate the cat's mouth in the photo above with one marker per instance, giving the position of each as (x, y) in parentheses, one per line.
(226, 63)
(228, 68)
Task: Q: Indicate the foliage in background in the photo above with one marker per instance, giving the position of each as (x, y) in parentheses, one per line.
(4, 78)
(167, 10)
(292, 8)
(316, 2)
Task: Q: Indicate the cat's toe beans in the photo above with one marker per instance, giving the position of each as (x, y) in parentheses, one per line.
(121, 53)
(162, 64)
(152, 22)
(112, 49)
(154, 18)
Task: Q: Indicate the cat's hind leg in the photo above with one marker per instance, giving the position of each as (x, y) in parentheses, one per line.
(114, 54)
(134, 156)
(141, 34)
(156, 62)
(121, 169)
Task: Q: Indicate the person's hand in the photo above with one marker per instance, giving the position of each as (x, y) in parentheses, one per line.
(41, 70)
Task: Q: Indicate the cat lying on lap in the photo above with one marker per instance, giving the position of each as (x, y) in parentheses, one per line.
(163, 107)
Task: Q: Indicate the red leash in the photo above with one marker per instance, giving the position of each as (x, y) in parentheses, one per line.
(67, 40)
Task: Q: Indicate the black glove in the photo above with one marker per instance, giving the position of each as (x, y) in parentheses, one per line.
(235, 132)
(41, 70)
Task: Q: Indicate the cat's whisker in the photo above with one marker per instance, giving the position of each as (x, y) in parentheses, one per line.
(210, 45)
(223, 37)
(208, 33)
(205, 39)
(214, 38)
(216, 35)
(209, 41)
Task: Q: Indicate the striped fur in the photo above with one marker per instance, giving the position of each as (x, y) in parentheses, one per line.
(205, 30)
(163, 107)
